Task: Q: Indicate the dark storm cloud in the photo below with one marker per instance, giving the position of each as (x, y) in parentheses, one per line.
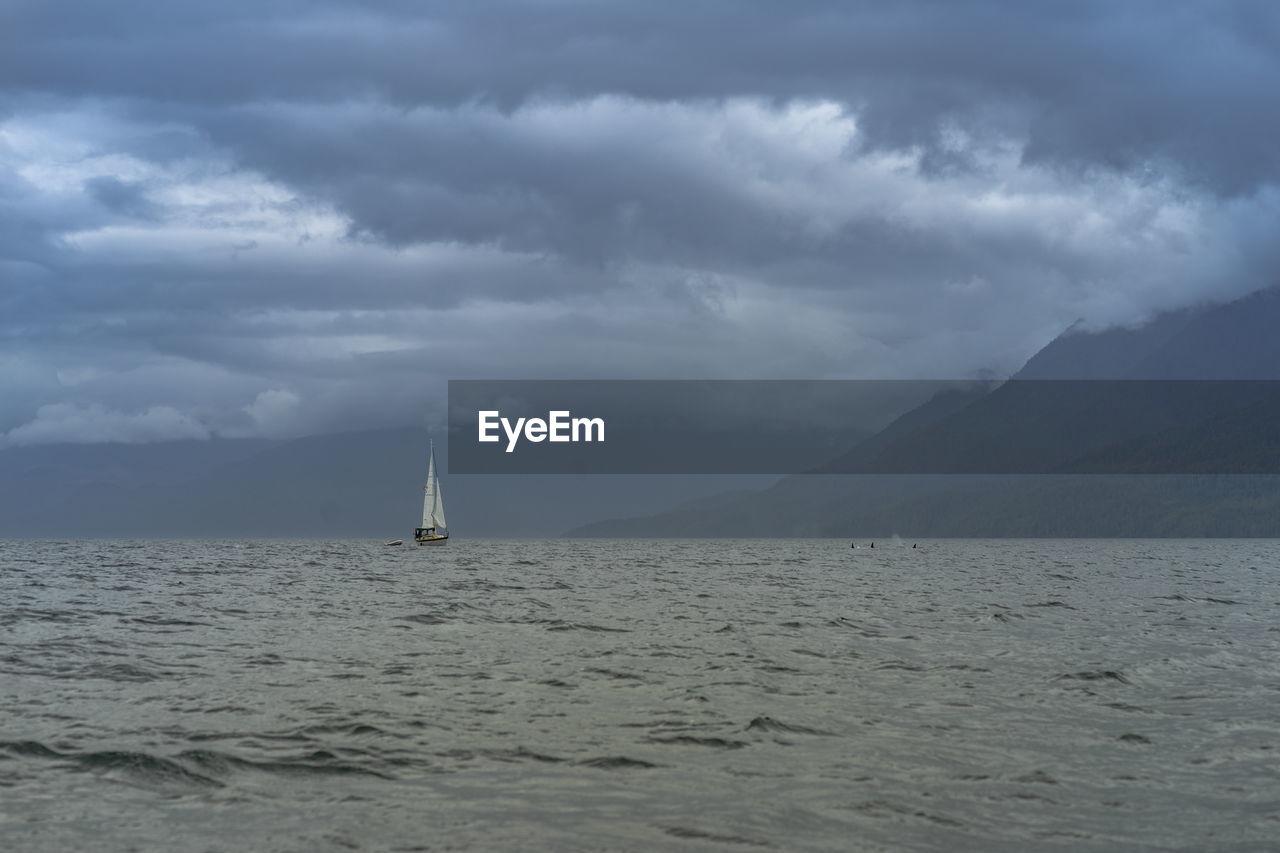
(591, 181)
(246, 217)
(1090, 82)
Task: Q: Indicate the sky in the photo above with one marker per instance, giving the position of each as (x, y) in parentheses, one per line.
(273, 219)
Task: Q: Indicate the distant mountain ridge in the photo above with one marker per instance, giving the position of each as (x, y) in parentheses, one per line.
(1098, 426)
(1159, 399)
(1234, 340)
(1123, 417)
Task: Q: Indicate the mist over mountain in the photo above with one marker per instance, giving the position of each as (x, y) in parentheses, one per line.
(1235, 340)
(1192, 392)
(1087, 404)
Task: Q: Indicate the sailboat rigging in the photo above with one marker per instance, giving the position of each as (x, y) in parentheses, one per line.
(432, 509)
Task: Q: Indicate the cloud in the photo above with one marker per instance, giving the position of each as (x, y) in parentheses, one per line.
(305, 217)
(95, 424)
(1088, 82)
(273, 412)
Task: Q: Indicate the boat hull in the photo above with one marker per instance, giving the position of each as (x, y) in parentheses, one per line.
(433, 540)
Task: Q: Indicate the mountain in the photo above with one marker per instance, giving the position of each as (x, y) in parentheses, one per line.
(880, 506)
(1235, 340)
(1099, 426)
(1160, 399)
(1165, 399)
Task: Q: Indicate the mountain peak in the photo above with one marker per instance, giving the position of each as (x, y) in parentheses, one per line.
(1232, 340)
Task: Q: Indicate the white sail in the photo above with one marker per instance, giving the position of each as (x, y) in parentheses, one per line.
(432, 504)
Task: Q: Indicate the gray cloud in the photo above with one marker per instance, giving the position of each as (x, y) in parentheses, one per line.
(242, 218)
(1092, 81)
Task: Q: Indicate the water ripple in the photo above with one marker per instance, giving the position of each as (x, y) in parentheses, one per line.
(639, 695)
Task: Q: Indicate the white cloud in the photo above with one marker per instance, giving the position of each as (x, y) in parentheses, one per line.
(274, 412)
(96, 424)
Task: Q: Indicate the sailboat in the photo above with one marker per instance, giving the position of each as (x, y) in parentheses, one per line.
(432, 508)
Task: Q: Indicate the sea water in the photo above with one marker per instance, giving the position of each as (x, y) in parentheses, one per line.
(639, 695)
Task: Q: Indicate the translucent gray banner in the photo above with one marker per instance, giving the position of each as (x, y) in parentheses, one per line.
(863, 427)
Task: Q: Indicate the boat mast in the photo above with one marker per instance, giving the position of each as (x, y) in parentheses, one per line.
(432, 506)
